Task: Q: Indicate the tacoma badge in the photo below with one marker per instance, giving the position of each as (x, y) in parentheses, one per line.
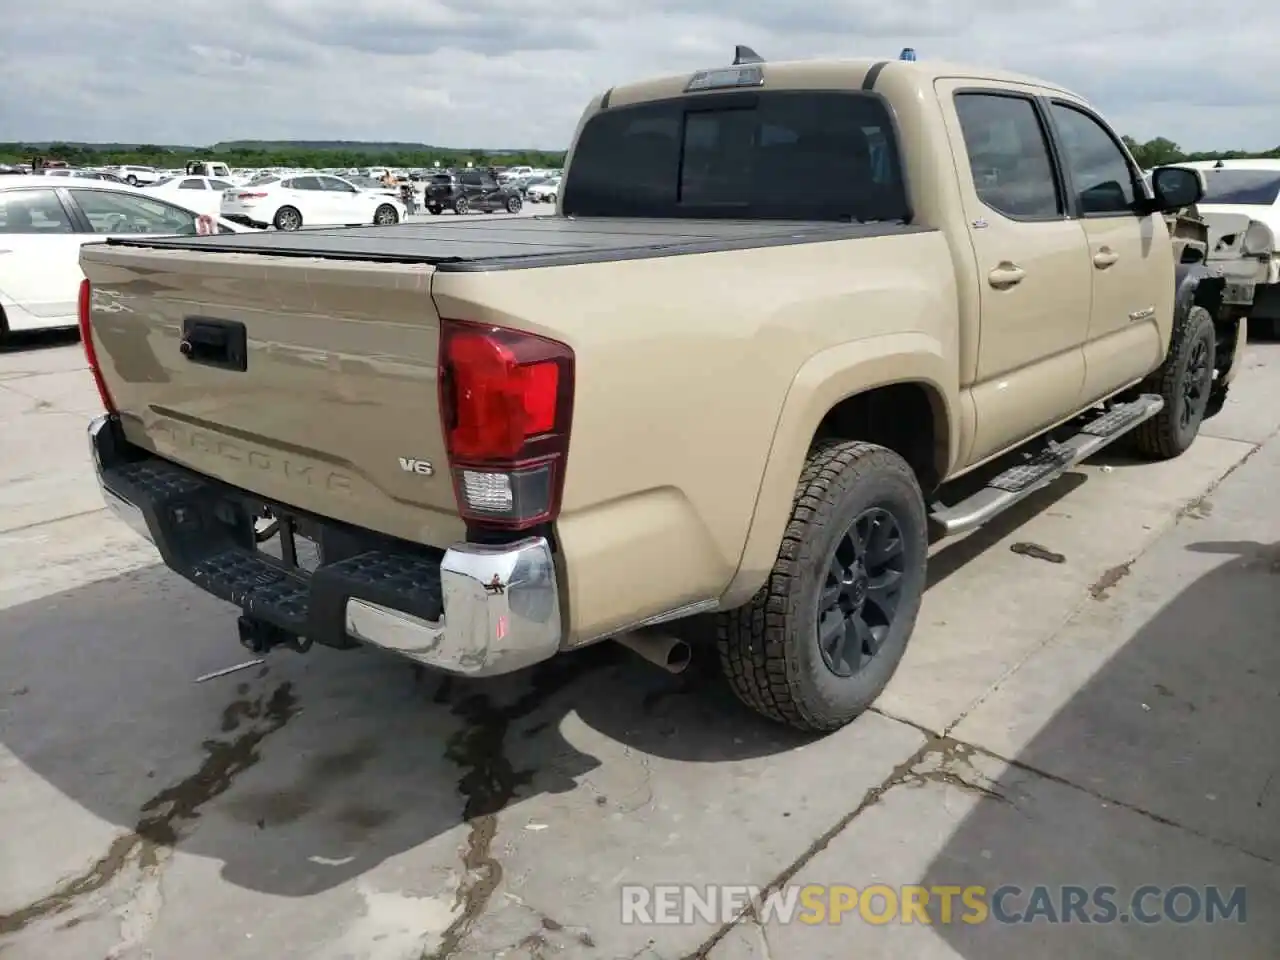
(414, 465)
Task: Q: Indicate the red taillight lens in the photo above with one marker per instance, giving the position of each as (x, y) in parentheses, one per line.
(250, 196)
(90, 353)
(506, 400)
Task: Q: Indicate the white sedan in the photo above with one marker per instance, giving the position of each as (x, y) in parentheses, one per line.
(544, 192)
(293, 201)
(45, 220)
(202, 194)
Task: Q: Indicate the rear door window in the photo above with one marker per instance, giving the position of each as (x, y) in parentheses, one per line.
(800, 155)
(1009, 157)
(36, 211)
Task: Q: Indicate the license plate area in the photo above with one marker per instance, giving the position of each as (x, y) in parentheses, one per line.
(289, 540)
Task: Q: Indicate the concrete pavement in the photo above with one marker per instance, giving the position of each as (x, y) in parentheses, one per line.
(1102, 720)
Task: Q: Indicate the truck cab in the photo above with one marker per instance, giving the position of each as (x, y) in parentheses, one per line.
(208, 168)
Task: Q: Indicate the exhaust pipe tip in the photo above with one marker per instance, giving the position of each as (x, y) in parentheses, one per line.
(670, 653)
(679, 657)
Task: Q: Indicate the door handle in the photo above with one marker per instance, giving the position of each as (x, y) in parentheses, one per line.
(1006, 274)
(1105, 257)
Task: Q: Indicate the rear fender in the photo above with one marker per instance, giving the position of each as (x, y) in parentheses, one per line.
(823, 381)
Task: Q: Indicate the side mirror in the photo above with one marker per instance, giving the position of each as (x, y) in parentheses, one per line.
(1176, 187)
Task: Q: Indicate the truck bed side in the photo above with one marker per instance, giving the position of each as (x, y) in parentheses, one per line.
(685, 367)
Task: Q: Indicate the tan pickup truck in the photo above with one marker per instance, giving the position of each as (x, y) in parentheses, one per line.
(781, 310)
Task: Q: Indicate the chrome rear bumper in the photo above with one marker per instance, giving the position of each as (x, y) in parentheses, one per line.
(490, 609)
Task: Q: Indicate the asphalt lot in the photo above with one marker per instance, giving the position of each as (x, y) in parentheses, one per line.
(1106, 720)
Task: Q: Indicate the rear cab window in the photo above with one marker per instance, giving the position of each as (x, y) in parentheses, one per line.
(785, 154)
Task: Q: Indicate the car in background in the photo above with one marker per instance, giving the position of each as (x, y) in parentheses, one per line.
(1249, 188)
(136, 175)
(83, 175)
(294, 201)
(43, 223)
(372, 185)
(202, 194)
(470, 190)
(544, 191)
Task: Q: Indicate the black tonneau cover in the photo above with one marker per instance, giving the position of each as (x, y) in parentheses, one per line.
(520, 242)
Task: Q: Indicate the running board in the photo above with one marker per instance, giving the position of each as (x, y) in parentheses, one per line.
(1035, 473)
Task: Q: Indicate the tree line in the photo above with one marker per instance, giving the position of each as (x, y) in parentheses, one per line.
(274, 155)
(1149, 154)
(1161, 151)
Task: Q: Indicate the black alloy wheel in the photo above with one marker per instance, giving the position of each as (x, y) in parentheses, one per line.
(861, 595)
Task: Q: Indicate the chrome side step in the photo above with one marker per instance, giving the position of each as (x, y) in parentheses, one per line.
(1039, 470)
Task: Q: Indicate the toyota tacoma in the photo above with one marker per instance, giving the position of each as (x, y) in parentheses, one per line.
(789, 321)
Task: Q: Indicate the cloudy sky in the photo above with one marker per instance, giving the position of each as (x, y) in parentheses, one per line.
(490, 73)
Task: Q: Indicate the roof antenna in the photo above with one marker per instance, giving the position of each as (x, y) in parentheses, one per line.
(743, 54)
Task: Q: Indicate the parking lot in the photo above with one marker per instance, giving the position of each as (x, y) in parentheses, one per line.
(1090, 699)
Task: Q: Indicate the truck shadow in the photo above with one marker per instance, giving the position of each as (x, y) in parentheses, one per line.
(29, 341)
(304, 772)
(1160, 769)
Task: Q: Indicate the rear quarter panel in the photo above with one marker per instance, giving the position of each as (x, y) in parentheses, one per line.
(686, 367)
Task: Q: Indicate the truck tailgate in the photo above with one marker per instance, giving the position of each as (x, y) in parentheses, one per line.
(333, 406)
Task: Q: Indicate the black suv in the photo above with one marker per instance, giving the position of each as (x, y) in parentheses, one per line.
(470, 190)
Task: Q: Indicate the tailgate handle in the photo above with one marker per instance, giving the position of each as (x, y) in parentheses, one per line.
(215, 343)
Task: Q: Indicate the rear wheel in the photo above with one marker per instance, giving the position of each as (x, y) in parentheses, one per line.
(434, 210)
(1185, 382)
(461, 206)
(820, 641)
(386, 215)
(514, 204)
(288, 218)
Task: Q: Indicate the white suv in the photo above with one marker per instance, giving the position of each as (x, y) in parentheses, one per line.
(136, 175)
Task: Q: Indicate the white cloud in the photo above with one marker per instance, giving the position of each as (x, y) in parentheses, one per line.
(491, 73)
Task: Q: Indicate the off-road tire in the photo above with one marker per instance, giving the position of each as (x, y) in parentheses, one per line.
(1165, 436)
(282, 217)
(461, 206)
(769, 649)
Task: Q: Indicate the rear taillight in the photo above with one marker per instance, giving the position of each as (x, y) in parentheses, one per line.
(506, 400)
(90, 352)
(250, 196)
